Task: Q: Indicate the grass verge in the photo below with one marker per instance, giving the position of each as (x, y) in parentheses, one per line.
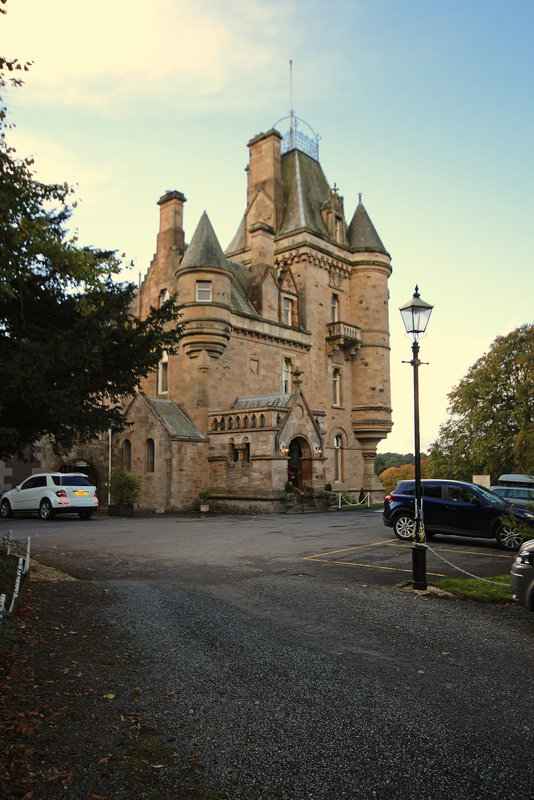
(479, 590)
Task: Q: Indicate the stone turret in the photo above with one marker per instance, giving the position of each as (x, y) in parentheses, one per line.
(204, 281)
(371, 396)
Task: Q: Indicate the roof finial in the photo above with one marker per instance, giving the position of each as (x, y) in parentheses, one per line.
(359, 198)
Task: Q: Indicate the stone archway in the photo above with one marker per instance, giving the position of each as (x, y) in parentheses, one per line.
(299, 465)
(80, 465)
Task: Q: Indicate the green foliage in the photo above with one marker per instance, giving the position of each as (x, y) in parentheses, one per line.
(124, 486)
(513, 523)
(204, 495)
(491, 425)
(70, 347)
(384, 461)
(288, 493)
(478, 590)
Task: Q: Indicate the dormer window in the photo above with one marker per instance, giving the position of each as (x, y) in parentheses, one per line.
(203, 294)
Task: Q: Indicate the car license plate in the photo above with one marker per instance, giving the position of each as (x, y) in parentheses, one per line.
(78, 493)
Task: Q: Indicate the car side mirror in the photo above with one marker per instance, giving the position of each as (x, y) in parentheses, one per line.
(475, 501)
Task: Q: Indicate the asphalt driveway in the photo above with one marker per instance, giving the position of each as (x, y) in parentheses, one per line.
(282, 657)
(335, 545)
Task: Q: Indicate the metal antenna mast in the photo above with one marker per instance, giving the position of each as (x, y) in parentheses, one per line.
(291, 112)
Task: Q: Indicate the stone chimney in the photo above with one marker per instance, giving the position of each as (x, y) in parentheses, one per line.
(171, 217)
(264, 172)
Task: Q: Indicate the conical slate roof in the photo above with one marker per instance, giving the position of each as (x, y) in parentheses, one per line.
(204, 249)
(361, 233)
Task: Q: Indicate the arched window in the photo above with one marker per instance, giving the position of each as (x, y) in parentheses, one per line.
(163, 373)
(127, 454)
(338, 444)
(287, 368)
(223, 424)
(334, 308)
(254, 421)
(150, 455)
(262, 420)
(163, 297)
(246, 451)
(215, 424)
(238, 422)
(245, 422)
(230, 423)
(336, 387)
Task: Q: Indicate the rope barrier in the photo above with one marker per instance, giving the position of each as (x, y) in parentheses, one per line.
(454, 566)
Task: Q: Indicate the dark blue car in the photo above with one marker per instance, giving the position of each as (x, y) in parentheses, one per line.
(455, 508)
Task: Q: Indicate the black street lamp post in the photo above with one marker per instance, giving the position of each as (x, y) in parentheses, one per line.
(415, 315)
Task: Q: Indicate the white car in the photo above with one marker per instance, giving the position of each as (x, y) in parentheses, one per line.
(51, 493)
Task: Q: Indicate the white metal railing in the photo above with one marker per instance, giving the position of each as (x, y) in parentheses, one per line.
(15, 550)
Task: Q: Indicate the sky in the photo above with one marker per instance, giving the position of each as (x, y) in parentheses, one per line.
(423, 106)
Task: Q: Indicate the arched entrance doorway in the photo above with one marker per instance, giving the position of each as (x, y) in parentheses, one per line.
(79, 465)
(299, 463)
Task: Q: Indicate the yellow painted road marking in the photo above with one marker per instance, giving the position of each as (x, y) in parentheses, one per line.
(368, 566)
(320, 557)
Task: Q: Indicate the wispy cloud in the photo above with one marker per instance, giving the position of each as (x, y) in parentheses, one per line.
(104, 53)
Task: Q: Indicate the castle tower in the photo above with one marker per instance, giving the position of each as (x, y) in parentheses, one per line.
(204, 282)
(371, 397)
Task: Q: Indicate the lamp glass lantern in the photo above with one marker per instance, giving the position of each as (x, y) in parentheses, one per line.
(415, 315)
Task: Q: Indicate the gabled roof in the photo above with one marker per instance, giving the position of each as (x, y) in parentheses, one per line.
(174, 418)
(362, 235)
(204, 249)
(305, 191)
(239, 242)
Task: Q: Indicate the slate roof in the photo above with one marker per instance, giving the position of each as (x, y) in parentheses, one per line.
(174, 417)
(362, 235)
(204, 249)
(305, 190)
(267, 401)
(239, 301)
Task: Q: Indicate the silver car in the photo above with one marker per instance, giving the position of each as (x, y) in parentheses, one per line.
(522, 576)
(51, 493)
(516, 495)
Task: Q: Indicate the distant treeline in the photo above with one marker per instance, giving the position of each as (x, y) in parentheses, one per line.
(384, 461)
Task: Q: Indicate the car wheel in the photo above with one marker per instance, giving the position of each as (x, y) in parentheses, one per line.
(85, 514)
(507, 538)
(5, 509)
(404, 526)
(45, 509)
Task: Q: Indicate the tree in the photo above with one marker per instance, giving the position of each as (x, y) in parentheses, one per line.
(384, 461)
(70, 347)
(491, 425)
(390, 477)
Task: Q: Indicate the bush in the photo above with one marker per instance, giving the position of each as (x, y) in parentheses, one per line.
(124, 486)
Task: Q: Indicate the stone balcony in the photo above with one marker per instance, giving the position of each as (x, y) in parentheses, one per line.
(342, 336)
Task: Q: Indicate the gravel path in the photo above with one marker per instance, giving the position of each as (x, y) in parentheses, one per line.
(283, 687)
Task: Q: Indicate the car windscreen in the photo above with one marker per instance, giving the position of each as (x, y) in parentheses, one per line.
(491, 497)
(74, 480)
